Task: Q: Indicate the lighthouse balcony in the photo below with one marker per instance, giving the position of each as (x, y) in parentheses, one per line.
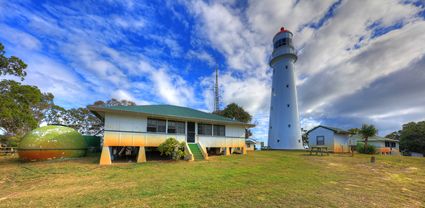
(283, 51)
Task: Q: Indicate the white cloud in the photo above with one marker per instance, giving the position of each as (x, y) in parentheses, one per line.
(201, 55)
(338, 58)
(21, 39)
(173, 89)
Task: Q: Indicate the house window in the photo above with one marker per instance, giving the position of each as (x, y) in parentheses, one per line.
(204, 129)
(320, 140)
(176, 127)
(390, 144)
(156, 125)
(248, 145)
(219, 130)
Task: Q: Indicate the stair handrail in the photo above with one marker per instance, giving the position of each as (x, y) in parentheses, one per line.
(186, 147)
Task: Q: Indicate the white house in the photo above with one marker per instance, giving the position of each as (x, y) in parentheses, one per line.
(137, 127)
(337, 140)
(383, 145)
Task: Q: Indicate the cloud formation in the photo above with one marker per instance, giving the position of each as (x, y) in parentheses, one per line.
(358, 61)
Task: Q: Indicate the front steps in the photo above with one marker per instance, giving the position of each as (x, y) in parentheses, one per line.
(197, 154)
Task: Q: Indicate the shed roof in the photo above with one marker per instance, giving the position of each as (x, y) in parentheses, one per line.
(166, 111)
(336, 130)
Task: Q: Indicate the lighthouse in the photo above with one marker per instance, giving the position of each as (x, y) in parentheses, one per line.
(284, 124)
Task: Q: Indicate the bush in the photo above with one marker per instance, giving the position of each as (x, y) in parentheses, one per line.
(370, 149)
(172, 147)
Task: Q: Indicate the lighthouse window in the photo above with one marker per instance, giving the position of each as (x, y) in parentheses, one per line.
(278, 141)
(288, 105)
(287, 86)
(286, 67)
(289, 125)
(282, 42)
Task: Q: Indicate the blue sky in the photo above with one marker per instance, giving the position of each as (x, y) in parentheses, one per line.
(359, 62)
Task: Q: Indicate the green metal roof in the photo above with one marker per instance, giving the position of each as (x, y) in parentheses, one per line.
(359, 137)
(336, 130)
(166, 111)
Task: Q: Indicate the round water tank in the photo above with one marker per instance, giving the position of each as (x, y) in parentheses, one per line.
(51, 142)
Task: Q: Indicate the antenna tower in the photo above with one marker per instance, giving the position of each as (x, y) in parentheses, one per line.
(216, 93)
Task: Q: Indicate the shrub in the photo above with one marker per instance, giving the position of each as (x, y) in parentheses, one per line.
(172, 147)
(370, 149)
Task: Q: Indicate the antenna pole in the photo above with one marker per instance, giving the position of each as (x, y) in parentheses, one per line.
(216, 93)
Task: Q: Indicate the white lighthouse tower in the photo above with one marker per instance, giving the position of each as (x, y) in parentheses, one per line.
(284, 126)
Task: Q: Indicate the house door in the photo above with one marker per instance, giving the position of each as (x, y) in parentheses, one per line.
(190, 132)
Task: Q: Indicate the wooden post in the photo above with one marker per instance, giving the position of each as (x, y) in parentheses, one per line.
(244, 150)
(226, 151)
(105, 157)
(141, 157)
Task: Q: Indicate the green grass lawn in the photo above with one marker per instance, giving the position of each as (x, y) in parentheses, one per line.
(259, 179)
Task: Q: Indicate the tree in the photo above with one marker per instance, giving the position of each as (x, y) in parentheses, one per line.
(304, 136)
(367, 131)
(115, 102)
(16, 107)
(11, 66)
(412, 137)
(234, 111)
(354, 131)
(81, 119)
(394, 135)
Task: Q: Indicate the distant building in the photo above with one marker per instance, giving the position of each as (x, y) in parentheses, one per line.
(383, 145)
(339, 140)
(130, 129)
(250, 144)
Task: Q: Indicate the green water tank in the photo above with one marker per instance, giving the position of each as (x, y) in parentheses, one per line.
(52, 142)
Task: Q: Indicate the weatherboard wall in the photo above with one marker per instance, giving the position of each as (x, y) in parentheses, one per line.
(326, 133)
(341, 143)
(131, 130)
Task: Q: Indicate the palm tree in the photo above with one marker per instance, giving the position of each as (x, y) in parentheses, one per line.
(367, 131)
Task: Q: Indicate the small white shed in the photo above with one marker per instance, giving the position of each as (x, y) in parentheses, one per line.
(337, 140)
